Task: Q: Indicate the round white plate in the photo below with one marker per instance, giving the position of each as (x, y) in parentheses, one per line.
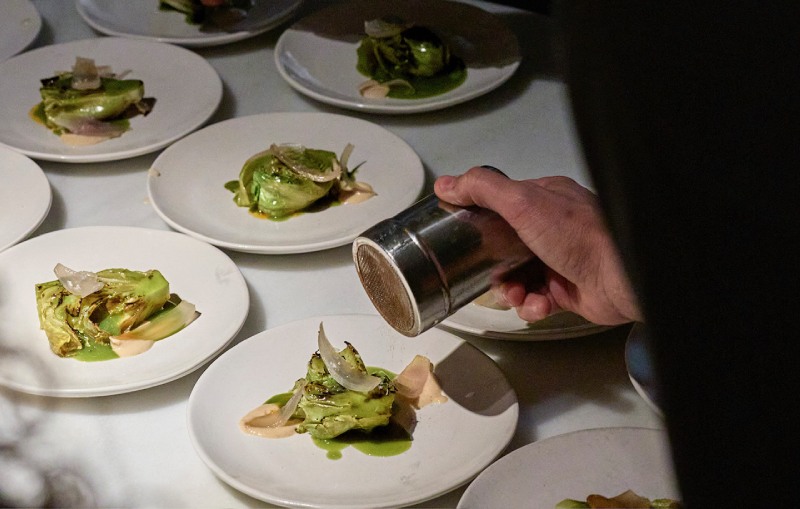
(186, 183)
(198, 272)
(604, 461)
(19, 27)
(144, 20)
(186, 88)
(640, 367)
(317, 55)
(452, 441)
(25, 197)
(506, 324)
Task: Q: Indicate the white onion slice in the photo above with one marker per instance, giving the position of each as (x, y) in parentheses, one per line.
(270, 416)
(289, 155)
(348, 149)
(385, 27)
(85, 75)
(348, 377)
(81, 283)
(288, 409)
(163, 325)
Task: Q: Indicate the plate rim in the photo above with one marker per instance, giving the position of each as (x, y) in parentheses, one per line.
(239, 485)
(578, 331)
(190, 42)
(43, 181)
(152, 381)
(215, 88)
(32, 35)
(561, 437)
(636, 336)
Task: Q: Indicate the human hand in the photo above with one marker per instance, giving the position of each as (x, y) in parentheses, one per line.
(562, 223)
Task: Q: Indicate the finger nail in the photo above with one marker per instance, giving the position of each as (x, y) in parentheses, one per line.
(445, 182)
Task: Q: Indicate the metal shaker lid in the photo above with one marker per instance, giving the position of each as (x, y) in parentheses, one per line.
(401, 277)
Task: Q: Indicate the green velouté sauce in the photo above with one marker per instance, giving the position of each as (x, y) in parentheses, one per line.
(388, 440)
(95, 352)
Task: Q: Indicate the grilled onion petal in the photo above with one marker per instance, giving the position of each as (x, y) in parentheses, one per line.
(81, 283)
(287, 410)
(346, 375)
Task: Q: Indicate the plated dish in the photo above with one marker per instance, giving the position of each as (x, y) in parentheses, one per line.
(144, 20)
(25, 197)
(639, 363)
(452, 441)
(195, 270)
(186, 88)
(317, 55)
(505, 324)
(19, 26)
(186, 182)
(574, 465)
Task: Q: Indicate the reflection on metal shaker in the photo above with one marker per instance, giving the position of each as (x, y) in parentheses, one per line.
(428, 261)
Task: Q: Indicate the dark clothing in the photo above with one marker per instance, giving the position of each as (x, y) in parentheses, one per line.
(689, 116)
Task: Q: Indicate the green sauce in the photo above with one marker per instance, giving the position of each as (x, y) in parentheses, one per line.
(428, 87)
(37, 114)
(95, 352)
(388, 440)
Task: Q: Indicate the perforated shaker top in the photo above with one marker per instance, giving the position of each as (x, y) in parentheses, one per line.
(386, 289)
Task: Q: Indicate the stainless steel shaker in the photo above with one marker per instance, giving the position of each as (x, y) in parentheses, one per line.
(428, 261)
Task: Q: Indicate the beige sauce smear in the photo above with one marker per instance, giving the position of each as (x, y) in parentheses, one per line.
(261, 421)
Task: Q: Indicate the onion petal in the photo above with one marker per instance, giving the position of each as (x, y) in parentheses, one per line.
(81, 283)
(346, 375)
(289, 408)
(385, 27)
(85, 75)
(292, 156)
(163, 325)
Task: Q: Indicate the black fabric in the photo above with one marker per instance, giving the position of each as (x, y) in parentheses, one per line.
(689, 117)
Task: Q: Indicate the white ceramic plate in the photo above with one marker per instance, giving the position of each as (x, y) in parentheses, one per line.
(196, 271)
(452, 441)
(144, 20)
(186, 184)
(25, 197)
(605, 461)
(19, 27)
(186, 88)
(317, 55)
(640, 367)
(506, 324)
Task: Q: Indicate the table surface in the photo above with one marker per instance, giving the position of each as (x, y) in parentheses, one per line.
(524, 128)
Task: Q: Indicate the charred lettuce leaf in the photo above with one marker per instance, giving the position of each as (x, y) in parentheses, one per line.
(90, 101)
(328, 409)
(412, 59)
(127, 299)
(286, 179)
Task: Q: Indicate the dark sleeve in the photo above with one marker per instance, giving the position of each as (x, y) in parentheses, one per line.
(689, 117)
